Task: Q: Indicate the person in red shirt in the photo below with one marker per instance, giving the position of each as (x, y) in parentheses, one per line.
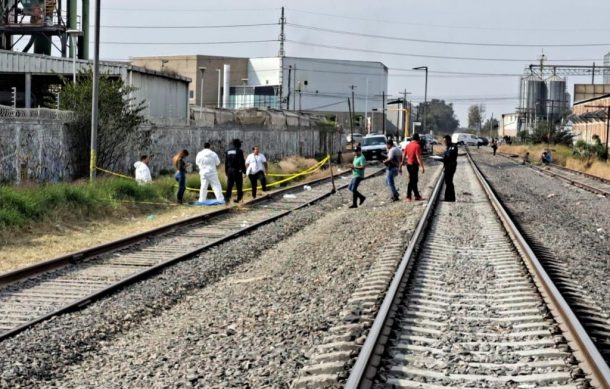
(413, 158)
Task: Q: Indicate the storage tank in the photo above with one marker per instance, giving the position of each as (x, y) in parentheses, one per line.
(535, 95)
(556, 87)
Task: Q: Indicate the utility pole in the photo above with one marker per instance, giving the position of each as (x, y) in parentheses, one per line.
(383, 111)
(95, 93)
(282, 53)
(294, 103)
(351, 122)
(289, 91)
(425, 96)
(353, 102)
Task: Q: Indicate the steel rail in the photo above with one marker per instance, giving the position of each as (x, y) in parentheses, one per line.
(74, 257)
(578, 184)
(358, 374)
(156, 268)
(591, 361)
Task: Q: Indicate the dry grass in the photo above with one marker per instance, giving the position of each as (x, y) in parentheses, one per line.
(562, 155)
(59, 234)
(596, 168)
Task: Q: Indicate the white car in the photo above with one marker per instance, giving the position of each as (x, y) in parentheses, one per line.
(357, 138)
(460, 138)
(373, 146)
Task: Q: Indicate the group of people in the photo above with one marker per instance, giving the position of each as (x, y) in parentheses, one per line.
(236, 168)
(413, 160)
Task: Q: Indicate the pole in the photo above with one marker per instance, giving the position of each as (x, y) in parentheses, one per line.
(73, 50)
(95, 94)
(366, 108)
(383, 111)
(332, 175)
(607, 131)
(425, 102)
(593, 74)
(282, 35)
(201, 88)
(294, 103)
(289, 91)
(353, 106)
(351, 122)
(218, 92)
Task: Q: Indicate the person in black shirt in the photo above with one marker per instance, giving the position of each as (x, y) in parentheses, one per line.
(180, 165)
(450, 162)
(235, 168)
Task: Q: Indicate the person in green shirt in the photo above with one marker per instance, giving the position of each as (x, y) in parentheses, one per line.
(357, 177)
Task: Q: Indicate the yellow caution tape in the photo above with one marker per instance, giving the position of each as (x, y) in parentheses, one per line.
(289, 177)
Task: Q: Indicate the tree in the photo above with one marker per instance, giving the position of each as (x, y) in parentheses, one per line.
(120, 119)
(440, 116)
(491, 127)
(475, 116)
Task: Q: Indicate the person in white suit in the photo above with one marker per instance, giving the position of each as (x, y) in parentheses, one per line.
(208, 161)
(142, 170)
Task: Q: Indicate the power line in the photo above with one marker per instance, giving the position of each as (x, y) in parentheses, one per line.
(396, 38)
(183, 10)
(188, 43)
(190, 27)
(428, 25)
(430, 56)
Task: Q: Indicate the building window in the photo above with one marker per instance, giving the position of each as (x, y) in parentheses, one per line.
(191, 94)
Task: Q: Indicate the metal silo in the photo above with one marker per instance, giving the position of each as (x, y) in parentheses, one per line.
(607, 72)
(556, 87)
(535, 94)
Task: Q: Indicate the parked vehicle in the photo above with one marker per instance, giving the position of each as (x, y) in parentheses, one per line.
(461, 138)
(357, 138)
(373, 146)
(483, 141)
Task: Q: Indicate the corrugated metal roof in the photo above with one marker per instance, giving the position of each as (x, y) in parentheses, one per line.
(17, 62)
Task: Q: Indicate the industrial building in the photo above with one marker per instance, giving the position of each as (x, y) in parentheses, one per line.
(35, 76)
(509, 125)
(590, 118)
(294, 83)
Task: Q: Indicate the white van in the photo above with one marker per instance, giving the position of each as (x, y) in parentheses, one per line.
(461, 138)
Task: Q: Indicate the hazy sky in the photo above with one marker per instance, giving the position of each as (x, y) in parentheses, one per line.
(531, 22)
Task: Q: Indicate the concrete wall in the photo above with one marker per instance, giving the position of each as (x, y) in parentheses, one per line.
(41, 150)
(34, 150)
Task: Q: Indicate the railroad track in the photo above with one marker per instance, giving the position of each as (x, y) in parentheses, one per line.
(471, 306)
(36, 293)
(591, 183)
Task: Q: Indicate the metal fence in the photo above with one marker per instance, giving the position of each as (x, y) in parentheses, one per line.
(36, 113)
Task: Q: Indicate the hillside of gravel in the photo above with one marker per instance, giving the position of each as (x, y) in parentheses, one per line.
(570, 223)
(243, 314)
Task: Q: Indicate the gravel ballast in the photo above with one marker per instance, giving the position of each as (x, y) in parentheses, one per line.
(573, 225)
(243, 314)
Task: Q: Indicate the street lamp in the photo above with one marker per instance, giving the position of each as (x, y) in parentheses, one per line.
(73, 34)
(425, 94)
(202, 70)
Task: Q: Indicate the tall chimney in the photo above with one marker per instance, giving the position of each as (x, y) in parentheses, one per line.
(226, 86)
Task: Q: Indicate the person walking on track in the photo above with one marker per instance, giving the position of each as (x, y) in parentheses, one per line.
(235, 168)
(494, 145)
(450, 162)
(392, 165)
(256, 164)
(208, 161)
(180, 166)
(357, 177)
(413, 158)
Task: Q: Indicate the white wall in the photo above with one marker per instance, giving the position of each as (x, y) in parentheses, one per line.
(166, 99)
(328, 82)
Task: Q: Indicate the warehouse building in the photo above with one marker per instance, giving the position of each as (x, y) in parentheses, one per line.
(35, 76)
(590, 119)
(294, 83)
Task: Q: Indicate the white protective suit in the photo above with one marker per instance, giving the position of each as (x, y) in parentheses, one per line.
(142, 173)
(208, 161)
